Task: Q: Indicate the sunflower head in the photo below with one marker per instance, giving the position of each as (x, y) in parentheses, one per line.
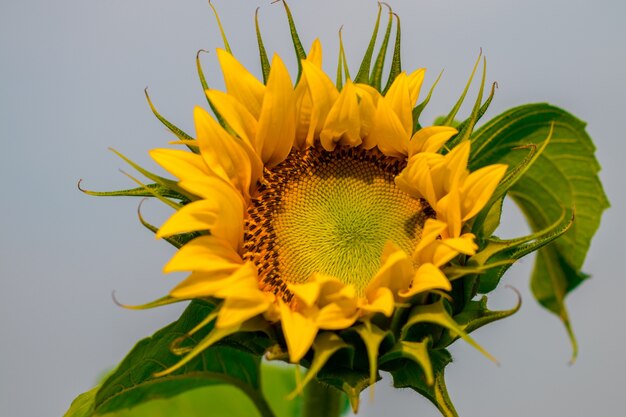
(323, 218)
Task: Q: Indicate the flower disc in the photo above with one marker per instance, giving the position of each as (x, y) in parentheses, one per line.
(330, 213)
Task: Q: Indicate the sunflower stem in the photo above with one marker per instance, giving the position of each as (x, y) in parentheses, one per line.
(321, 400)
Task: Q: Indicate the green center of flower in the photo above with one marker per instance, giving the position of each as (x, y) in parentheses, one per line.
(331, 213)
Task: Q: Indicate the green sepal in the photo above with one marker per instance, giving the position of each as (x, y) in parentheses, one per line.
(178, 241)
(449, 119)
(351, 382)
(179, 133)
(373, 338)
(466, 128)
(205, 86)
(498, 250)
(483, 107)
(342, 64)
(222, 33)
(326, 344)
(363, 75)
(295, 40)
(413, 351)
(417, 110)
(167, 201)
(437, 314)
(377, 73)
(475, 315)
(265, 62)
(396, 63)
(133, 382)
(138, 192)
(159, 302)
(164, 182)
(410, 375)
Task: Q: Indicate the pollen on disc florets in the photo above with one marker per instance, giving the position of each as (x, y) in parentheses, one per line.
(329, 213)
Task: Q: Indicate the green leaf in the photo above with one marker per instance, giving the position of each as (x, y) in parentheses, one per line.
(133, 382)
(564, 176)
(83, 405)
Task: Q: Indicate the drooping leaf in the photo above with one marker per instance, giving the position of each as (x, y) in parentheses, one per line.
(564, 176)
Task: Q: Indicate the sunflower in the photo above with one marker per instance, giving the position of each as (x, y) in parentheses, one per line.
(311, 209)
(318, 206)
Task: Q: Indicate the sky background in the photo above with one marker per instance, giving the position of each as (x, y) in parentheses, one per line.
(72, 74)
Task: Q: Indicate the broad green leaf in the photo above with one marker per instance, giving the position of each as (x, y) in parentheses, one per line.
(565, 176)
(222, 400)
(133, 382)
(83, 405)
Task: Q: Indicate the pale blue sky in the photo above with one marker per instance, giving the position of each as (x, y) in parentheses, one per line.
(72, 75)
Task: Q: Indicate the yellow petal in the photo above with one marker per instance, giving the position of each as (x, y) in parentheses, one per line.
(478, 188)
(205, 254)
(277, 120)
(336, 316)
(305, 127)
(431, 232)
(453, 170)
(223, 153)
(299, 331)
(368, 97)
(427, 277)
(181, 164)
(395, 273)
(199, 215)
(449, 210)
(416, 179)
(229, 207)
(464, 244)
(414, 81)
(203, 284)
(343, 122)
(236, 311)
(323, 95)
(315, 54)
(379, 301)
(388, 132)
(430, 139)
(240, 83)
(307, 292)
(399, 100)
